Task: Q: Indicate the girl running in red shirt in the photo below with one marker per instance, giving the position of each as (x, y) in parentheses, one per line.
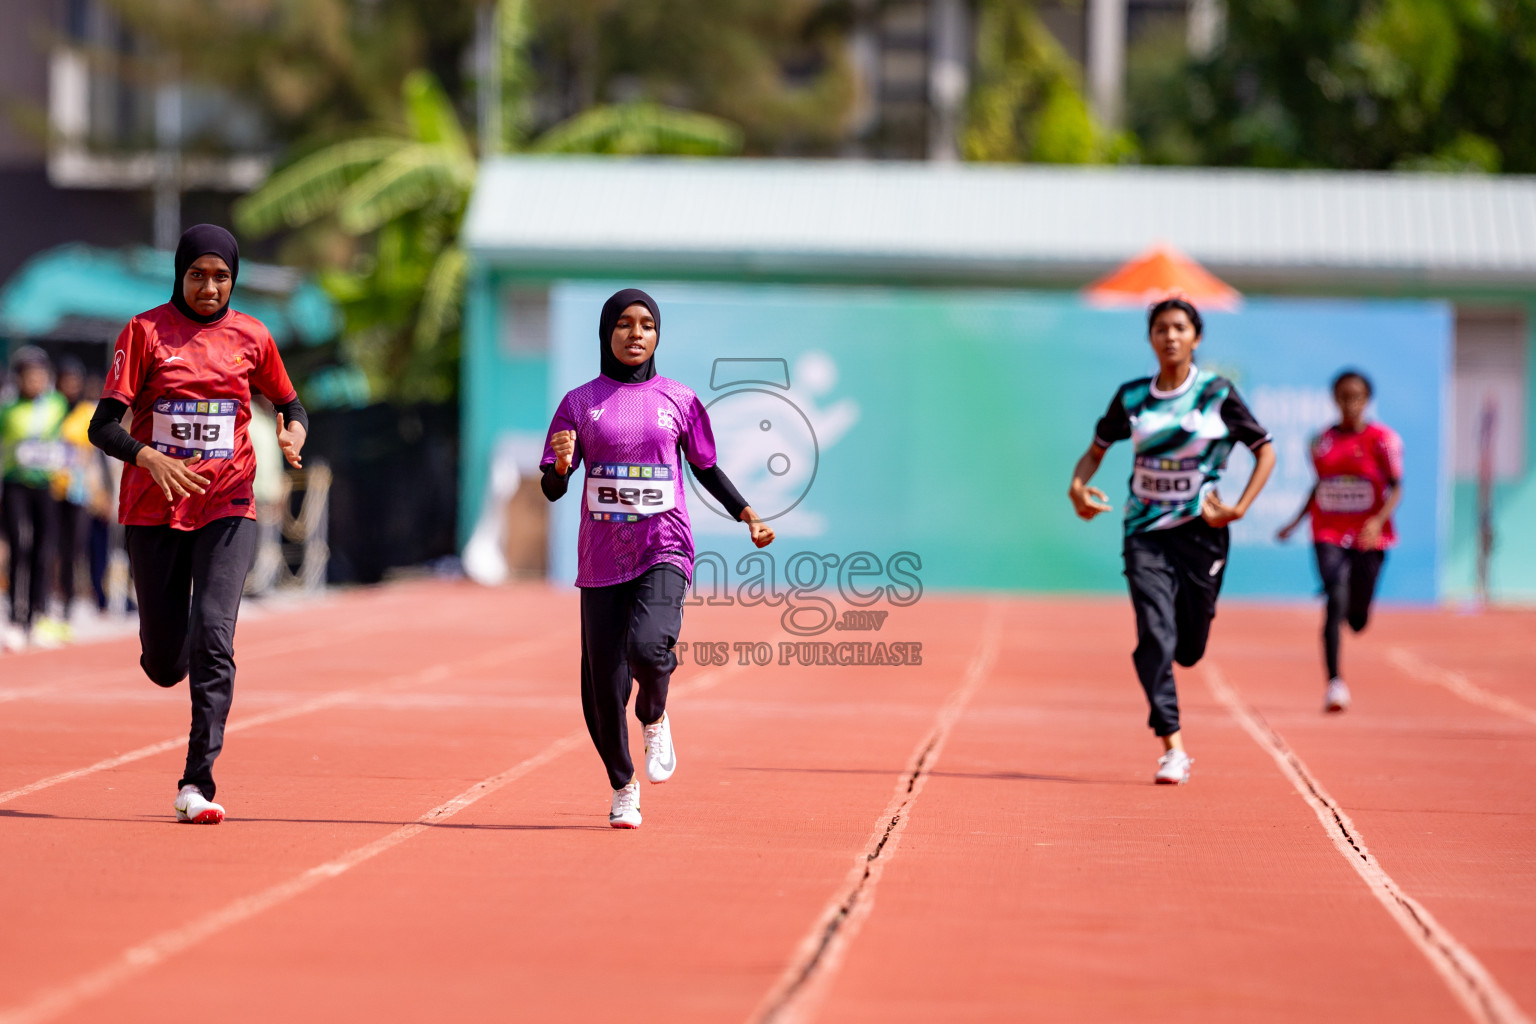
(187, 370)
(1359, 484)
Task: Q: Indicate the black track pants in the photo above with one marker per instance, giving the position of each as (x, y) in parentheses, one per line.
(628, 632)
(1349, 583)
(1175, 576)
(31, 521)
(189, 585)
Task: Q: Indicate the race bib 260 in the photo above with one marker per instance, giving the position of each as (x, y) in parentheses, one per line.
(1166, 481)
(183, 427)
(624, 493)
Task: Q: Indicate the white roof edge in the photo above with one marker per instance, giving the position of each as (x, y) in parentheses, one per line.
(998, 222)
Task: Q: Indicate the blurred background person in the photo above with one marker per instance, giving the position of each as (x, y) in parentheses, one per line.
(33, 454)
(73, 485)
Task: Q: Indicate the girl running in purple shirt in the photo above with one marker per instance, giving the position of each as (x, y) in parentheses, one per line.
(635, 549)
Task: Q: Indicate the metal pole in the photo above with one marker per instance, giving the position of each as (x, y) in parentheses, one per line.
(948, 78)
(168, 164)
(1106, 59)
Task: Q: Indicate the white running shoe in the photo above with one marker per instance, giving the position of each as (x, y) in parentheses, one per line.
(1336, 698)
(1173, 768)
(660, 755)
(625, 812)
(195, 809)
(13, 637)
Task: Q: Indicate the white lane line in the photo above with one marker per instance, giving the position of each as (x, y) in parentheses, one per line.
(804, 983)
(1477, 991)
(320, 703)
(135, 960)
(1458, 684)
(281, 645)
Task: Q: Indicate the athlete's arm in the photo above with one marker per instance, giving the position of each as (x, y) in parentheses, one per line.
(1215, 512)
(553, 482)
(721, 489)
(106, 431)
(1306, 507)
(1370, 531)
(1088, 501)
(292, 430)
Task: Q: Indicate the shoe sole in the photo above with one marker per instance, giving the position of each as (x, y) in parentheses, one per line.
(1334, 709)
(622, 824)
(207, 817)
(1171, 782)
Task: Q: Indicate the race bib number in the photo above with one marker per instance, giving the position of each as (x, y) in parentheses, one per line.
(1166, 481)
(35, 454)
(629, 493)
(183, 427)
(1345, 494)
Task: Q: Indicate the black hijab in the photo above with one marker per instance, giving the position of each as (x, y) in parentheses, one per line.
(198, 241)
(613, 367)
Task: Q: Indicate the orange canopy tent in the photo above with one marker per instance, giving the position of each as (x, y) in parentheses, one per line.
(1159, 273)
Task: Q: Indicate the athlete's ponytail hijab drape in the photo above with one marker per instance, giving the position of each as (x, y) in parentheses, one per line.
(612, 366)
(198, 241)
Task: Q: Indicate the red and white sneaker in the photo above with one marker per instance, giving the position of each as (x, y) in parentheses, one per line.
(625, 812)
(1336, 697)
(1173, 768)
(195, 809)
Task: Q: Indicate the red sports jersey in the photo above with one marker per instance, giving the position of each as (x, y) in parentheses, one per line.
(1354, 473)
(189, 386)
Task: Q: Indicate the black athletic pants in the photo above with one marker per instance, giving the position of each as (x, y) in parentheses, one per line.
(1174, 576)
(628, 632)
(72, 525)
(31, 520)
(1349, 583)
(189, 584)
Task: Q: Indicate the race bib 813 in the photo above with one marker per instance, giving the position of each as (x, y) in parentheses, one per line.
(183, 427)
(623, 493)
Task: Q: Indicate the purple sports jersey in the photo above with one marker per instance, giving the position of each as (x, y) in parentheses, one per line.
(633, 514)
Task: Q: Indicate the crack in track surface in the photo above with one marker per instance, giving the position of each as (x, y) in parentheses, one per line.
(1469, 981)
(800, 987)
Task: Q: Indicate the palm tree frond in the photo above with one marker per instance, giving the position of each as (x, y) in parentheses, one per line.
(430, 114)
(633, 129)
(440, 298)
(412, 178)
(312, 187)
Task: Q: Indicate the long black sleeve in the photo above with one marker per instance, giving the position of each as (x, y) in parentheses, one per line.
(293, 412)
(553, 483)
(721, 489)
(106, 431)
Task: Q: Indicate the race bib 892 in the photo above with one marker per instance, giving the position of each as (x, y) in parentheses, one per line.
(183, 427)
(623, 493)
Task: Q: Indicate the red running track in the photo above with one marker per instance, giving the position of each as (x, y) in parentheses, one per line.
(417, 826)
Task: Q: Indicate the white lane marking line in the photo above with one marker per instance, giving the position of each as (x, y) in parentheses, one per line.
(1458, 684)
(323, 701)
(138, 959)
(168, 944)
(804, 983)
(1477, 991)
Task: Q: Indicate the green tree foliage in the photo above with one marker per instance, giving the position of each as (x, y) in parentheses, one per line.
(309, 67)
(405, 189)
(1367, 84)
(777, 68)
(1026, 101)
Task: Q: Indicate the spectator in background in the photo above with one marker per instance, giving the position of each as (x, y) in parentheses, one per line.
(73, 486)
(32, 453)
(102, 508)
